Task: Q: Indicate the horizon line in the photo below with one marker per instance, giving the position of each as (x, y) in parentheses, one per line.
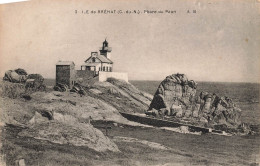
(195, 81)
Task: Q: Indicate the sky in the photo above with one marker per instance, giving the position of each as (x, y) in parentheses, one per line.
(220, 42)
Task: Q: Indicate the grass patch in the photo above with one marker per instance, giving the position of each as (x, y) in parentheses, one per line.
(12, 90)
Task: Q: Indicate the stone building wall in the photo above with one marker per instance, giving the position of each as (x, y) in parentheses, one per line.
(104, 75)
(83, 76)
(65, 74)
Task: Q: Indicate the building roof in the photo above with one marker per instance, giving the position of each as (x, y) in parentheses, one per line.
(90, 64)
(102, 58)
(65, 63)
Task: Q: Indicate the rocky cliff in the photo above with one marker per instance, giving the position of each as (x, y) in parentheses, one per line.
(176, 96)
(65, 117)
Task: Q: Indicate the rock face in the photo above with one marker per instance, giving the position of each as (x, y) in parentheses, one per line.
(35, 82)
(76, 134)
(178, 96)
(64, 117)
(17, 83)
(174, 90)
(122, 95)
(16, 76)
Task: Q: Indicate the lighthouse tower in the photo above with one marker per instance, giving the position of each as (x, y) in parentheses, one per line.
(105, 50)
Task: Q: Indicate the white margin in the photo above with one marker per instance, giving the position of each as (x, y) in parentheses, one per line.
(11, 1)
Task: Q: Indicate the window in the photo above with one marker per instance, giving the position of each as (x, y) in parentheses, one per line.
(107, 68)
(110, 68)
(93, 59)
(104, 68)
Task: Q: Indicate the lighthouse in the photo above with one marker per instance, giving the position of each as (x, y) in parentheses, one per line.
(105, 50)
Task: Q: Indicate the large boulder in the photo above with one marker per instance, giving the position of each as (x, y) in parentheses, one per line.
(13, 76)
(77, 134)
(37, 77)
(21, 71)
(35, 82)
(174, 89)
(178, 94)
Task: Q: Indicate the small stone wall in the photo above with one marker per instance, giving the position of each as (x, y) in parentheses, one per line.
(84, 75)
(104, 75)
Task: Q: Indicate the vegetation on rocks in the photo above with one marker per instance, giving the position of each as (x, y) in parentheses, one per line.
(12, 90)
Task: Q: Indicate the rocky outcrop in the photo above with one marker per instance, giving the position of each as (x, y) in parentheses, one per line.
(15, 76)
(77, 134)
(218, 110)
(174, 91)
(35, 82)
(17, 83)
(54, 117)
(121, 95)
(63, 117)
(177, 95)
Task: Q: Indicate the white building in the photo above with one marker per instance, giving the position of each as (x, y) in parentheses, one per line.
(100, 65)
(99, 62)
